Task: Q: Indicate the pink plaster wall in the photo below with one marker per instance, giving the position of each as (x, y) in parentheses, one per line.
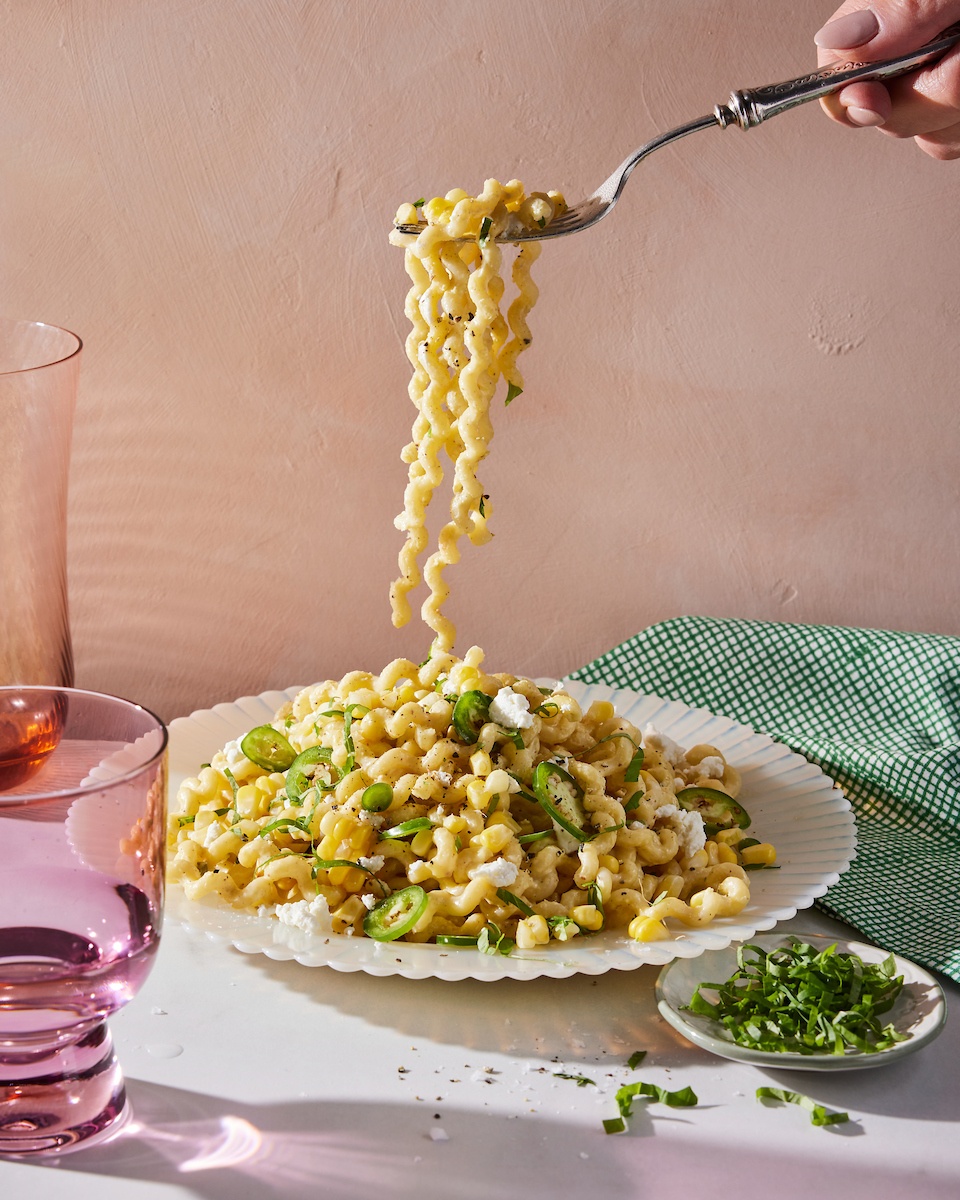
(740, 398)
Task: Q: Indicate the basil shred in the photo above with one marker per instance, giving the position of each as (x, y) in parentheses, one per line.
(818, 1114)
(798, 1000)
(684, 1098)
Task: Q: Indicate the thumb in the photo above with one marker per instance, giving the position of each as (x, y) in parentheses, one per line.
(885, 28)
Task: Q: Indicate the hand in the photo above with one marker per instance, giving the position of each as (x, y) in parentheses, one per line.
(924, 105)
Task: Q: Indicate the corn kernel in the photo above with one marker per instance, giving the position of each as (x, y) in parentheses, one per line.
(725, 853)
(532, 931)
(610, 863)
(587, 916)
(493, 839)
(422, 843)
(646, 929)
(763, 853)
(481, 764)
(349, 878)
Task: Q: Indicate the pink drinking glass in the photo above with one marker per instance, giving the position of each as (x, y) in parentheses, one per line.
(82, 800)
(39, 366)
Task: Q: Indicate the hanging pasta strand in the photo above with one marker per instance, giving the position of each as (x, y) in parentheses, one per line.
(460, 346)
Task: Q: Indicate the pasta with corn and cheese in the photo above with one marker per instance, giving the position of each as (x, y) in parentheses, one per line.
(460, 346)
(437, 802)
(455, 760)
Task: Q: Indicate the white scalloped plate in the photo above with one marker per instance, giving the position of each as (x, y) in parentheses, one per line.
(792, 803)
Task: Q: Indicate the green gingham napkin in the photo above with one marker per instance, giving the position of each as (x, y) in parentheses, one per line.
(879, 712)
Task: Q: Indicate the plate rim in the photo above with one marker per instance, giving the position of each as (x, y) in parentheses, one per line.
(700, 1036)
(595, 956)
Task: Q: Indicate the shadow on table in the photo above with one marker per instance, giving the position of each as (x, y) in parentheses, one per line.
(215, 1149)
(221, 1150)
(586, 1020)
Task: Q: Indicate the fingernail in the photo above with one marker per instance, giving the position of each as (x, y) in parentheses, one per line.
(863, 116)
(845, 33)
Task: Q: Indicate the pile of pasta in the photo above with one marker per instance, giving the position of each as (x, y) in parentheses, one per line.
(458, 823)
(460, 346)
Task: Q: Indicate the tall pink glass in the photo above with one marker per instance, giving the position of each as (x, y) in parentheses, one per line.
(82, 799)
(39, 366)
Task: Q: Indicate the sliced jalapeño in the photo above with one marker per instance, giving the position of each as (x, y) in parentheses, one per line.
(297, 774)
(470, 713)
(718, 810)
(396, 915)
(268, 748)
(561, 798)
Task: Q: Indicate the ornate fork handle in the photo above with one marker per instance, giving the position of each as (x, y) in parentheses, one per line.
(751, 106)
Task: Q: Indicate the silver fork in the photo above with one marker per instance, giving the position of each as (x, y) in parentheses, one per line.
(744, 109)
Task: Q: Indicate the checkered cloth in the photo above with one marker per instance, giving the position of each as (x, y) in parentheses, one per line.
(879, 712)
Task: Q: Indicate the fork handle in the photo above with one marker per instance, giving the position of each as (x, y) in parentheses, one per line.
(753, 105)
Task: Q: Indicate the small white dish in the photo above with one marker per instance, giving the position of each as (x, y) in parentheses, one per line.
(920, 1011)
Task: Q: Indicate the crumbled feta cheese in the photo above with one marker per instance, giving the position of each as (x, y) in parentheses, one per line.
(312, 916)
(443, 777)
(211, 833)
(369, 818)
(235, 761)
(369, 901)
(511, 709)
(439, 1135)
(500, 872)
(671, 750)
(373, 863)
(688, 826)
(710, 767)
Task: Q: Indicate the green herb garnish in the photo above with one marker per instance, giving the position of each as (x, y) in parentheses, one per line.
(580, 1080)
(485, 229)
(796, 999)
(636, 1058)
(512, 393)
(510, 898)
(409, 828)
(684, 1098)
(818, 1114)
(493, 941)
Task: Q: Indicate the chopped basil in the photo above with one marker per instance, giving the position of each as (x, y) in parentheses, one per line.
(510, 898)
(818, 1114)
(493, 941)
(408, 828)
(526, 838)
(636, 1058)
(234, 786)
(181, 821)
(684, 1098)
(799, 1000)
(563, 928)
(485, 229)
(580, 1080)
(512, 393)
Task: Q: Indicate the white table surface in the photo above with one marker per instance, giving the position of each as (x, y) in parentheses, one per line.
(258, 1078)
